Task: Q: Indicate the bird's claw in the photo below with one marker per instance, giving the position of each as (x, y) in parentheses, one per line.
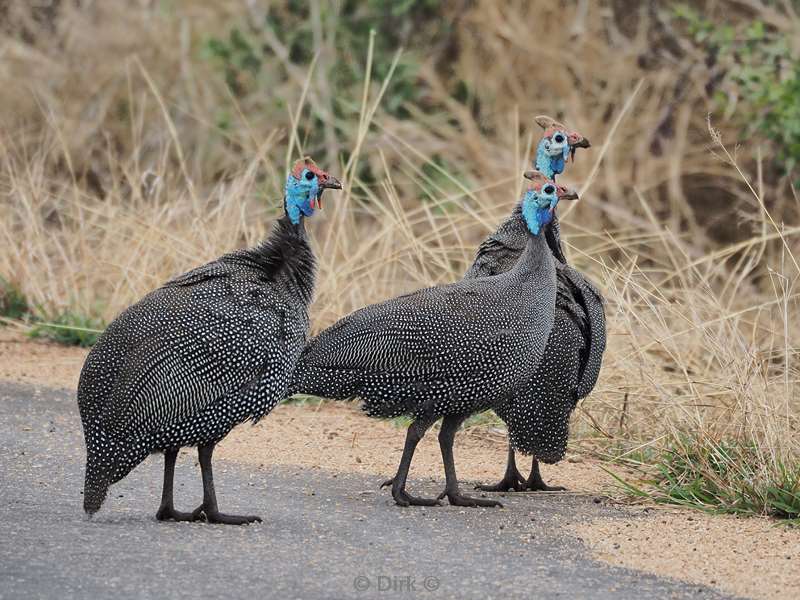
(455, 498)
(404, 499)
(167, 512)
(504, 485)
(511, 481)
(216, 517)
(541, 486)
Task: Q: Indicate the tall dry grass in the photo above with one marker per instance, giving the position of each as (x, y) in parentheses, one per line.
(114, 177)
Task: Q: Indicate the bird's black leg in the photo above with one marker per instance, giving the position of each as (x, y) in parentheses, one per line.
(535, 483)
(512, 480)
(209, 505)
(414, 434)
(450, 425)
(166, 511)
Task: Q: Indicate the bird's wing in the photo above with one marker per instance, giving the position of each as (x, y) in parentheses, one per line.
(589, 311)
(430, 333)
(214, 336)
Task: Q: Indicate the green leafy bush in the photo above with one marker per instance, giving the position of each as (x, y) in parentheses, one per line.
(756, 76)
(13, 304)
(243, 54)
(70, 329)
(722, 476)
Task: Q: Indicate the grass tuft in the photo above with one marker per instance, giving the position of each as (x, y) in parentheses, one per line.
(69, 329)
(13, 304)
(719, 476)
(304, 400)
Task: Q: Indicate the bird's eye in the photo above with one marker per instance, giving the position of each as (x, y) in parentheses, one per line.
(549, 189)
(559, 138)
(309, 175)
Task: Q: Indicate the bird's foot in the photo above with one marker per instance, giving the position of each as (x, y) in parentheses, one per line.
(214, 516)
(535, 484)
(167, 512)
(456, 498)
(403, 498)
(541, 486)
(511, 482)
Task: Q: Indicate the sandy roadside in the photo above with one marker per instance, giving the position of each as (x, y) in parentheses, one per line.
(747, 557)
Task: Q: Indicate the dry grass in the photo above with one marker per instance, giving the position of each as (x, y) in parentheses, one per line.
(114, 177)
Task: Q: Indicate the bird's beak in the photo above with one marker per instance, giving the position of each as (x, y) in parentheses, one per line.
(582, 143)
(576, 140)
(565, 193)
(328, 182)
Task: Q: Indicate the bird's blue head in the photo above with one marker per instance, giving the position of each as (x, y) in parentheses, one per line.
(556, 145)
(540, 200)
(304, 187)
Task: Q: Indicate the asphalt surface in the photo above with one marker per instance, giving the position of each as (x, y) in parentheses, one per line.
(323, 536)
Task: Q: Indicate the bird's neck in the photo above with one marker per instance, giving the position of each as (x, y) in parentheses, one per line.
(548, 165)
(499, 251)
(287, 260)
(552, 233)
(300, 265)
(536, 261)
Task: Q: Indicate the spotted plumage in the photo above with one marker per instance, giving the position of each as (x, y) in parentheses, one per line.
(537, 416)
(206, 351)
(447, 351)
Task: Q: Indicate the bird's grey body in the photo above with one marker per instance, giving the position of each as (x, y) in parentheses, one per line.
(447, 351)
(537, 415)
(444, 350)
(208, 350)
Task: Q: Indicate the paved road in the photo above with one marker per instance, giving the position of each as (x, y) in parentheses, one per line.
(323, 536)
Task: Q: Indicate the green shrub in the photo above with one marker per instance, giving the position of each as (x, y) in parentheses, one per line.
(243, 54)
(70, 329)
(758, 78)
(716, 476)
(13, 304)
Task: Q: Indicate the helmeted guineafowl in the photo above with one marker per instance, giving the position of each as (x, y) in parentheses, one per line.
(208, 350)
(538, 415)
(557, 143)
(501, 249)
(446, 351)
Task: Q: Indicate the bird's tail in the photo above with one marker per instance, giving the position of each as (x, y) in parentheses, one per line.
(319, 381)
(95, 487)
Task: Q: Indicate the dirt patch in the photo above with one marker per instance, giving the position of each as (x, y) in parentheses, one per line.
(749, 557)
(34, 362)
(338, 437)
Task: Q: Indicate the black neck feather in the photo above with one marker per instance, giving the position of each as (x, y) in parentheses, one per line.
(553, 236)
(286, 258)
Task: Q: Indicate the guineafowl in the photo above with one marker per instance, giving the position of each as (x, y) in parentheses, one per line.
(208, 350)
(538, 415)
(446, 351)
(500, 251)
(556, 144)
